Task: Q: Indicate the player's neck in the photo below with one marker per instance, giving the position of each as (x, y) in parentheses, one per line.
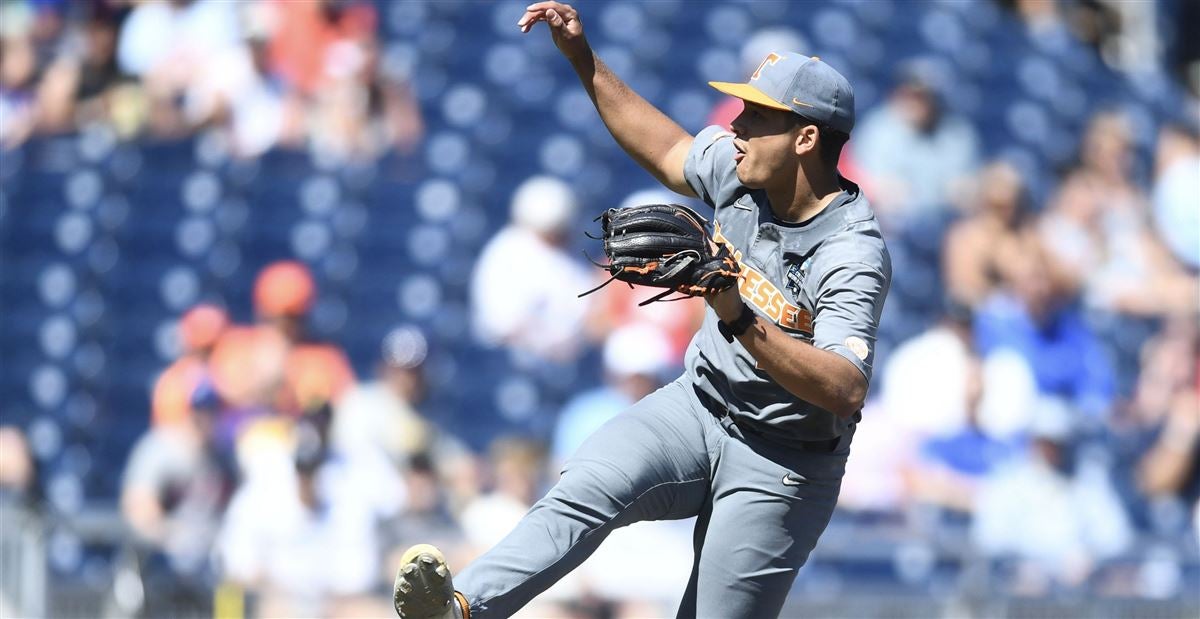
(804, 199)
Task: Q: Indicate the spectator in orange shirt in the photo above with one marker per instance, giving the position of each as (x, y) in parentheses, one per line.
(314, 374)
(305, 32)
(199, 330)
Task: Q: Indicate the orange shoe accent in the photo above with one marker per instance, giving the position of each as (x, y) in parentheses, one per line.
(462, 603)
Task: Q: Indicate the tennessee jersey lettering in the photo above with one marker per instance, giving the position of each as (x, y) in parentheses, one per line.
(758, 291)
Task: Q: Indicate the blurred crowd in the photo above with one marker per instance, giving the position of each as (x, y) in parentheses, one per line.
(266, 73)
(1055, 404)
(269, 467)
(1052, 408)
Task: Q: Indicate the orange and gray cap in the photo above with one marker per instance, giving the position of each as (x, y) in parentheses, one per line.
(802, 84)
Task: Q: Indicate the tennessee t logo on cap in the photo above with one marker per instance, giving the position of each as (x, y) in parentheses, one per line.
(771, 58)
(800, 84)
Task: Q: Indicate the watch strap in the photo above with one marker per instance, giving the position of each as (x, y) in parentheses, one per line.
(738, 326)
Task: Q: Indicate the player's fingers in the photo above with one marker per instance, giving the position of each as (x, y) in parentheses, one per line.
(566, 11)
(529, 19)
(530, 15)
(555, 14)
(550, 4)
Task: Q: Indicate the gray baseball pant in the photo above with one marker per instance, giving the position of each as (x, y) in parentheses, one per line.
(669, 458)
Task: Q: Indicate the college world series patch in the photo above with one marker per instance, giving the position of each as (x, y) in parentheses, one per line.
(795, 278)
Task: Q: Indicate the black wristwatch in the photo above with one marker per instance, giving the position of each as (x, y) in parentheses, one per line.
(738, 326)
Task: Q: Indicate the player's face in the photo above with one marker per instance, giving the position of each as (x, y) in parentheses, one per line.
(765, 144)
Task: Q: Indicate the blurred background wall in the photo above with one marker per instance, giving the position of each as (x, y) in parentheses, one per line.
(265, 317)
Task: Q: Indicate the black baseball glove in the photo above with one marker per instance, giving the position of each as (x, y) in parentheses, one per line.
(665, 246)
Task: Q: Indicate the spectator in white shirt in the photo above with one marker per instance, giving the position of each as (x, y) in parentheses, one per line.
(536, 313)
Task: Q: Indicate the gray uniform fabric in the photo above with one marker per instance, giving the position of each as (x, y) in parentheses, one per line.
(760, 468)
(823, 281)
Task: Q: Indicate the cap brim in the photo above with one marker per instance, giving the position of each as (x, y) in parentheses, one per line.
(746, 92)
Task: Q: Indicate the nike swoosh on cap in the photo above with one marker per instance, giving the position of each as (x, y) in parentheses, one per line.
(796, 101)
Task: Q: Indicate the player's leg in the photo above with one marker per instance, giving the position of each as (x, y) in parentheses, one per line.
(761, 528)
(649, 463)
(687, 605)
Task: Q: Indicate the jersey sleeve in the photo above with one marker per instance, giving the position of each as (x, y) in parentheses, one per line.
(848, 304)
(710, 169)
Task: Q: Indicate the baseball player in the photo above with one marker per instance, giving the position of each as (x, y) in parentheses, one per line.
(753, 437)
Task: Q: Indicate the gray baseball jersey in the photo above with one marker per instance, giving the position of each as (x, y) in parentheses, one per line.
(823, 281)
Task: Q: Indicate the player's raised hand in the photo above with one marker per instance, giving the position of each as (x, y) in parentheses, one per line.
(564, 25)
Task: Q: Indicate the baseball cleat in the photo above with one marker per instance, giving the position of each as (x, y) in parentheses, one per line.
(423, 588)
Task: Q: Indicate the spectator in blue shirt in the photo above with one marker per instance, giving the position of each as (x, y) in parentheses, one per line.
(1036, 315)
(635, 358)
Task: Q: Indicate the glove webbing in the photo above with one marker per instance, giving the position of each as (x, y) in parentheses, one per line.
(686, 291)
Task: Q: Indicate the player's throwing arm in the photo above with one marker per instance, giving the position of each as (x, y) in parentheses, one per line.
(650, 137)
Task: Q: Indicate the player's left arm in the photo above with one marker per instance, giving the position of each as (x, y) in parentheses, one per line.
(833, 372)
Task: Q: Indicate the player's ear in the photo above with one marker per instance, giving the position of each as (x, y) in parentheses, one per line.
(806, 139)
